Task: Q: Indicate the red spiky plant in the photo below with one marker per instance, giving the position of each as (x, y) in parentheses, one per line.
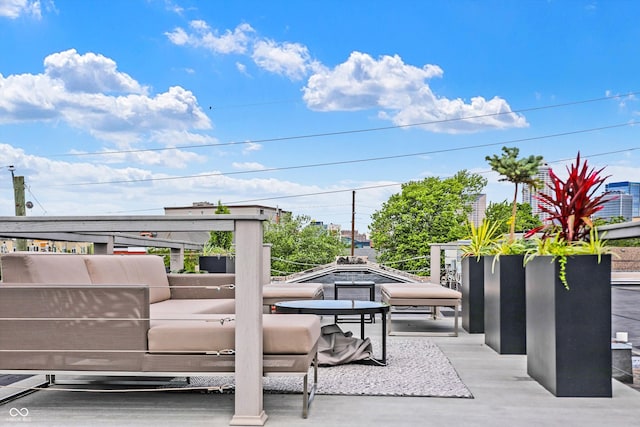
(572, 202)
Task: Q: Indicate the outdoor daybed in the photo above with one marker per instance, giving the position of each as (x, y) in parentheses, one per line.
(122, 314)
(420, 295)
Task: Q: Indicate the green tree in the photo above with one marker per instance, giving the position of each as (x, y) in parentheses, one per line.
(516, 171)
(298, 245)
(433, 210)
(219, 242)
(501, 213)
(597, 222)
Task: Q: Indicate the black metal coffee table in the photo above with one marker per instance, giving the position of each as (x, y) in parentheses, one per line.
(341, 307)
(355, 284)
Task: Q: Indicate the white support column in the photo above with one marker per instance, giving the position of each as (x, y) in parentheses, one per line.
(266, 263)
(248, 360)
(435, 264)
(176, 259)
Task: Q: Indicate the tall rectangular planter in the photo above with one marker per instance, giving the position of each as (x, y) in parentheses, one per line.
(569, 331)
(505, 327)
(473, 295)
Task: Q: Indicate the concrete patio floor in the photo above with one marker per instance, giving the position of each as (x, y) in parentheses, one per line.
(503, 395)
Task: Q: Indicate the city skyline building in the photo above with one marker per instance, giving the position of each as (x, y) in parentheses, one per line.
(627, 187)
(617, 204)
(544, 178)
(478, 210)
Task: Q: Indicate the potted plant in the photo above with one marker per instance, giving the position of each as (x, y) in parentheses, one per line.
(217, 253)
(504, 274)
(481, 239)
(504, 297)
(568, 291)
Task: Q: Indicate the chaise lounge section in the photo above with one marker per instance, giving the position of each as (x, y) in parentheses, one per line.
(420, 295)
(123, 315)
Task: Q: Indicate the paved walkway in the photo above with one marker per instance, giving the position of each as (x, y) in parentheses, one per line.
(503, 395)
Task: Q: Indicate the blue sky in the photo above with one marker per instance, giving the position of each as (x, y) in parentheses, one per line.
(130, 106)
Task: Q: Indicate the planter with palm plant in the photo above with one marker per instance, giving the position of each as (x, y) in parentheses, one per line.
(504, 274)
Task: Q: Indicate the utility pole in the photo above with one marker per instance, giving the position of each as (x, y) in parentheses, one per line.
(18, 197)
(353, 223)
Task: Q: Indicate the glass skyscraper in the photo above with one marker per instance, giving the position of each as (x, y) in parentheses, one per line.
(618, 204)
(626, 187)
(528, 192)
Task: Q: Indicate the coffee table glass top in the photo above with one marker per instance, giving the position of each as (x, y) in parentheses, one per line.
(329, 304)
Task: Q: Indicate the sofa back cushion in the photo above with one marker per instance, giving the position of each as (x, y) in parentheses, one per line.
(44, 268)
(130, 270)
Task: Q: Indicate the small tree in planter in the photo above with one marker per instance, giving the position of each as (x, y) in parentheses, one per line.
(516, 171)
(217, 252)
(568, 291)
(504, 281)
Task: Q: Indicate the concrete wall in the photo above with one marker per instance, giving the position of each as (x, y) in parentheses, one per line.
(628, 259)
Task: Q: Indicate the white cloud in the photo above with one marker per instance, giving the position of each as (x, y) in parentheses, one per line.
(399, 91)
(13, 9)
(55, 184)
(203, 36)
(74, 89)
(251, 166)
(363, 82)
(288, 59)
(401, 94)
(242, 68)
(622, 99)
(91, 73)
(251, 147)
(178, 37)
(173, 7)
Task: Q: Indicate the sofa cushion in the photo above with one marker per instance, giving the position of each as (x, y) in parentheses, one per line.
(282, 334)
(173, 308)
(42, 268)
(131, 270)
(273, 293)
(395, 292)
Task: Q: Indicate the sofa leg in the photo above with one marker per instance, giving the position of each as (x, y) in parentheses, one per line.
(315, 369)
(51, 379)
(309, 394)
(456, 312)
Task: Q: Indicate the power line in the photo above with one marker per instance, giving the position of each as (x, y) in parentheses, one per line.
(348, 132)
(36, 199)
(349, 190)
(344, 162)
(400, 183)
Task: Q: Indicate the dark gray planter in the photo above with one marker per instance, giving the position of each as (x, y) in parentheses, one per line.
(217, 264)
(505, 327)
(569, 331)
(473, 295)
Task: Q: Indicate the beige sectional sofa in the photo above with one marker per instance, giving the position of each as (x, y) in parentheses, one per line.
(120, 314)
